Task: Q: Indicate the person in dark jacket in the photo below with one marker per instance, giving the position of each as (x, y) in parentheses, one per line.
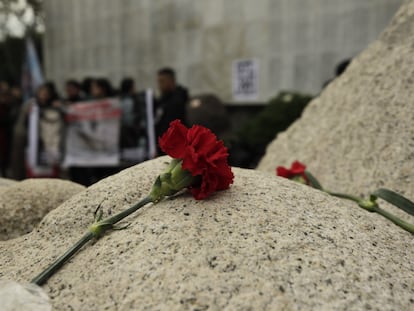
(172, 102)
(73, 91)
(86, 87)
(132, 113)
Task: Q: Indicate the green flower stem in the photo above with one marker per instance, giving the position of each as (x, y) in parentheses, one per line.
(47, 273)
(121, 215)
(343, 196)
(373, 207)
(396, 220)
(95, 230)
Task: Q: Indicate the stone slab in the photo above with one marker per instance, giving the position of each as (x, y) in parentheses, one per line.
(265, 244)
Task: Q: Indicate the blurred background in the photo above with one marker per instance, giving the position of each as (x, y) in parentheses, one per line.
(245, 68)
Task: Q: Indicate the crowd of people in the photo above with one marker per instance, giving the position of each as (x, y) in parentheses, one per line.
(14, 114)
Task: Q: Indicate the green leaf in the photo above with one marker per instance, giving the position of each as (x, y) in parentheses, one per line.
(313, 181)
(395, 199)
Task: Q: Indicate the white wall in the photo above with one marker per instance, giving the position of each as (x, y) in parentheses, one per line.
(298, 42)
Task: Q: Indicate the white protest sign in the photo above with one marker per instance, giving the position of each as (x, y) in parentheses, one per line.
(92, 135)
(245, 76)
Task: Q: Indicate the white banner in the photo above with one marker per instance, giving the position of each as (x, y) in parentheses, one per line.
(92, 135)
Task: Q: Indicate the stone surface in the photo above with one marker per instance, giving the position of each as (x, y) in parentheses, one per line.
(4, 182)
(22, 297)
(358, 135)
(25, 203)
(265, 244)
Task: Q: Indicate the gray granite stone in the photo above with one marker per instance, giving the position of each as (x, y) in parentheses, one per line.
(23, 204)
(265, 244)
(23, 297)
(4, 182)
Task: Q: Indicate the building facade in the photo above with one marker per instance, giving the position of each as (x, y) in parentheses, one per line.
(296, 43)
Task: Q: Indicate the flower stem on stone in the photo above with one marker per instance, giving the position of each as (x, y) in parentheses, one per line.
(343, 196)
(396, 220)
(96, 230)
(199, 163)
(41, 278)
(372, 206)
(169, 183)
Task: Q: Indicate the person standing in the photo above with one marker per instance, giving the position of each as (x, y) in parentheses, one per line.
(172, 102)
(97, 89)
(73, 91)
(50, 129)
(86, 87)
(133, 122)
(102, 88)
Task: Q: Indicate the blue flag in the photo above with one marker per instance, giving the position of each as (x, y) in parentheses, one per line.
(32, 76)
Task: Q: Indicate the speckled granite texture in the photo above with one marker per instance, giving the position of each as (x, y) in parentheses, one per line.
(265, 244)
(358, 135)
(4, 182)
(24, 204)
(23, 297)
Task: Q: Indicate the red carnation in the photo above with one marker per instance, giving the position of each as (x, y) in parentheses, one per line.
(296, 170)
(202, 155)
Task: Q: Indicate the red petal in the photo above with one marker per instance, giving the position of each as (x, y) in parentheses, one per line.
(202, 154)
(283, 172)
(174, 141)
(298, 168)
(226, 178)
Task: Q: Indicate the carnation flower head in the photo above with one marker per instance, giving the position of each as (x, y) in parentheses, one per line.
(295, 172)
(202, 154)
